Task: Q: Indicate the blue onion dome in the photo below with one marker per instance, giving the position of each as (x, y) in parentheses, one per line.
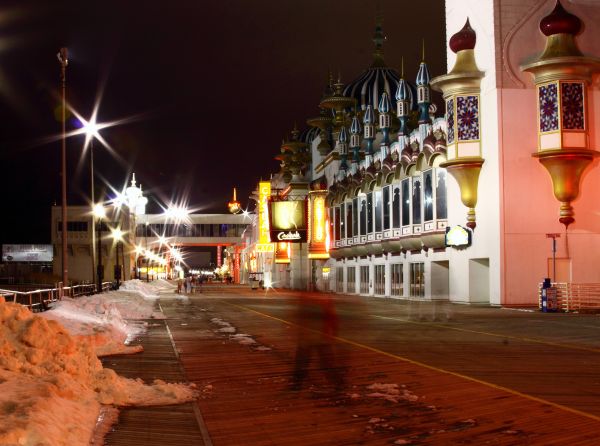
(384, 103)
(355, 126)
(369, 117)
(343, 137)
(369, 86)
(307, 136)
(423, 75)
(403, 92)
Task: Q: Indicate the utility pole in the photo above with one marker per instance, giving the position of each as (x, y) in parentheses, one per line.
(63, 60)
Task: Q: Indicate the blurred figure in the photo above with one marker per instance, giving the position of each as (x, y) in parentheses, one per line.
(318, 324)
(179, 285)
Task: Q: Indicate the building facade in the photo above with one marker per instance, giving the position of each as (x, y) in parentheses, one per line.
(509, 165)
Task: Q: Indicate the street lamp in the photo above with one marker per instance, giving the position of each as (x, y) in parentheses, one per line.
(64, 61)
(99, 213)
(91, 129)
(117, 236)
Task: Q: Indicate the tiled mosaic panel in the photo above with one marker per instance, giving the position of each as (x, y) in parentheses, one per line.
(467, 117)
(450, 119)
(571, 98)
(548, 98)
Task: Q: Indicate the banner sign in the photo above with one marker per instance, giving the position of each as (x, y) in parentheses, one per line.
(288, 221)
(27, 253)
(264, 239)
(318, 247)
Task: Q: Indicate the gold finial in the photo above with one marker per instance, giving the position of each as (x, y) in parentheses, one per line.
(423, 51)
(402, 67)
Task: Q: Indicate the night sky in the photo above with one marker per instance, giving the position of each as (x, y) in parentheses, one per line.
(209, 88)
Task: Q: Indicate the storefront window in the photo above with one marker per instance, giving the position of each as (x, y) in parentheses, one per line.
(364, 279)
(397, 279)
(355, 216)
(387, 224)
(351, 282)
(396, 205)
(363, 216)
(440, 195)
(370, 212)
(428, 196)
(416, 202)
(378, 211)
(380, 280)
(342, 221)
(417, 280)
(405, 202)
(336, 213)
(349, 218)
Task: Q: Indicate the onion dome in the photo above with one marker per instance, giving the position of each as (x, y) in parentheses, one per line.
(355, 126)
(343, 137)
(423, 75)
(465, 39)
(369, 117)
(384, 103)
(403, 92)
(560, 21)
(308, 135)
(369, 86)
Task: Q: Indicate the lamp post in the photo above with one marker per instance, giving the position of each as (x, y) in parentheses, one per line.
(99, 213)
(91, 132)
(63, 60)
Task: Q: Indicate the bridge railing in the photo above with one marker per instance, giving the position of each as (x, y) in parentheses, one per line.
(575, 296)
(38, 300)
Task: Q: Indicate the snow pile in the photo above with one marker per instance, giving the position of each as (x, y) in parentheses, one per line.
(240, 338)
(142, 288)
(98, 321)
(391, 392)
(52, 386)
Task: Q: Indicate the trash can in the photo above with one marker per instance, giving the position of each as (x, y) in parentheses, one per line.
(546, 285)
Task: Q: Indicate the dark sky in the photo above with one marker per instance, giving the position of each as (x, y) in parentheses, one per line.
(212, 87)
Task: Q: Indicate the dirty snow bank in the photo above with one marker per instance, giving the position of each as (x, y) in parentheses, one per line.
(52, 385)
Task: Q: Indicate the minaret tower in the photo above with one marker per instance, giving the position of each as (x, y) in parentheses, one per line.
(369, 127)
(384, 123)
(355, 144)
(342, 147)
(423, 92)
(403, 98)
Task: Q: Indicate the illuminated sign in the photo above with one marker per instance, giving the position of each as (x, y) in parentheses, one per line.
(458, 237)
(288, 223)
(318, 247)
(265, 247)
(283, 253)
(27, 253)
(264, 239)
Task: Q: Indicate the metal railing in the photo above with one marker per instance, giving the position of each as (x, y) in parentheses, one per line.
(575, 296)
(38, 300)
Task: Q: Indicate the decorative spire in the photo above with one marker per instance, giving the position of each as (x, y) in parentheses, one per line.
(384, 118)
(369, 121)
(343, 148)
(355, 139)
(133, 180)
(378, 39)
(423, 75)
(560, 21)
(465, 39)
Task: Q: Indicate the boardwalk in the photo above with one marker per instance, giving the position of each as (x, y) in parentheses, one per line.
(414, 374)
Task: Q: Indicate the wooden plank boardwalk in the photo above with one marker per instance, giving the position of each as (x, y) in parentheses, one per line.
(246, 398)
(154, 426)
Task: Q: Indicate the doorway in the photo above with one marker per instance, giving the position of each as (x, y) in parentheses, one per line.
(479, 281)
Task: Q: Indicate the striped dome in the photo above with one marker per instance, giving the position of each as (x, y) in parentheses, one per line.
(308, 135)
(368, 88)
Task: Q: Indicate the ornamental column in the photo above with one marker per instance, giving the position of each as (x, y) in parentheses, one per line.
(461, 91)
(562, 75)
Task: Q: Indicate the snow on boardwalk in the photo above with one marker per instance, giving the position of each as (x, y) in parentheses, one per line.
(53, 386)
